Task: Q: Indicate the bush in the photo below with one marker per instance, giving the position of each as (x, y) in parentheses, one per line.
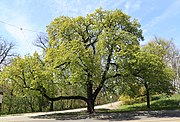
(126, 100)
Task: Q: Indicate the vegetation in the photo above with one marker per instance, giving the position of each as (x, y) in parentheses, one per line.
(159, 102)
(126, 112)
(86, 60)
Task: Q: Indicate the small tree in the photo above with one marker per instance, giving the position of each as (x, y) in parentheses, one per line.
(153, 75)
(168, 51)
(152, 70)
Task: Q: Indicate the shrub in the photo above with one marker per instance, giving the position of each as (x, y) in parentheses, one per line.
(126, 100)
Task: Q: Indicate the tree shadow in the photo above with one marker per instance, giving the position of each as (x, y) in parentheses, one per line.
(111, 116)
(159, 109)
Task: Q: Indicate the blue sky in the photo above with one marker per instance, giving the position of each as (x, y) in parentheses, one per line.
(158, 17)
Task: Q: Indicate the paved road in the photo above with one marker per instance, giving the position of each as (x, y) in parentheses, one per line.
(154, 116)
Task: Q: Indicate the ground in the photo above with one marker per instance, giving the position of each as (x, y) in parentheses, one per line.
(68, 116)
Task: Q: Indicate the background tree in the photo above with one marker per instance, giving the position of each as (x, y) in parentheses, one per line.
(152, 74)
(152, 70)
(16, 77)
(5, 52)
(42, 41)
(167, 50)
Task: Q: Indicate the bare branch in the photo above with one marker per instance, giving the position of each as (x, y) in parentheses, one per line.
(5, 51)
(42, 41)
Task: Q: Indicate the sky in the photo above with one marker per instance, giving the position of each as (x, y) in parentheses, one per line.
(22, 20)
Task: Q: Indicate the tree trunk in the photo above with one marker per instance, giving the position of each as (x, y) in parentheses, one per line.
(90, 106)
(40, 101)
(147, 95)
(148, 99)
(90, 98)
(51, 106)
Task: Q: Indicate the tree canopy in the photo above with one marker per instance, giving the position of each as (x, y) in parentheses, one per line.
(151, 71)
(91, 50)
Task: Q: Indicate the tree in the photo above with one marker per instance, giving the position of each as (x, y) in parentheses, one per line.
(152, 68)
(19, 79)
(90, 51)
(42, 41)
(5, 52)
(152, 74)
(167, 50)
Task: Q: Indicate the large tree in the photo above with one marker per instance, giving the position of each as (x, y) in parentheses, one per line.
(91, 51)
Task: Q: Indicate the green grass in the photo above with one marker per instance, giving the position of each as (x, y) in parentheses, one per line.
(159, 102)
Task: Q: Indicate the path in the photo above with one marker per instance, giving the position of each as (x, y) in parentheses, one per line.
(27, 117)
(139, 116)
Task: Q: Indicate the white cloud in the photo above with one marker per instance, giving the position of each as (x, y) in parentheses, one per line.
(173, 10)
(23, 39)
(131, 6)
(82, 7)
(73, 7)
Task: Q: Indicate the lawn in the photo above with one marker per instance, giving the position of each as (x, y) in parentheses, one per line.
(159, 102)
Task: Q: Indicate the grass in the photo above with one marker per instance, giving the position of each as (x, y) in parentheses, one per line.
(159, 102)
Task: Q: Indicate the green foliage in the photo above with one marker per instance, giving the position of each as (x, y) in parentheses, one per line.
(86, 42)
(93, 48)
(149, 71)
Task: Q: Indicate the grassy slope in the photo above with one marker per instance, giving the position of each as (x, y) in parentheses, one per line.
(160, 102)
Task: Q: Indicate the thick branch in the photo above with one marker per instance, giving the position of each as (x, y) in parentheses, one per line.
(42, 90)
(104, 78)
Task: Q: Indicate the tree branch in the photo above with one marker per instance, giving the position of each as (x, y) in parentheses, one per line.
(62, 64)
(104, 78)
